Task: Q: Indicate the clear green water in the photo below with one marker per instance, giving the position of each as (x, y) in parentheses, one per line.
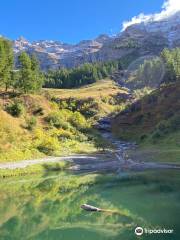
(48, 207)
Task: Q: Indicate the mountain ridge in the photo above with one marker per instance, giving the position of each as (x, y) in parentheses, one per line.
(141, 39)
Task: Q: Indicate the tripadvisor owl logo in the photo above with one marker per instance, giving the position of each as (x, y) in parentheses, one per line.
(139, 231)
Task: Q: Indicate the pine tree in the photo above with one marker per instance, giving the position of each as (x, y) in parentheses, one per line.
(6, 63)
(37, 76)
(30, 77)
(25, 73)
(171, 60)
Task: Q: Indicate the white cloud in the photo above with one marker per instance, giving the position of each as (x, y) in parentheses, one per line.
(169, 7)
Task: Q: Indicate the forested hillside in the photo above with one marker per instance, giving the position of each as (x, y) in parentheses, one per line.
(76, 77)
(154, 119)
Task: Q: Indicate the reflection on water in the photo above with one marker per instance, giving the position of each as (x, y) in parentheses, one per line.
(48, 207)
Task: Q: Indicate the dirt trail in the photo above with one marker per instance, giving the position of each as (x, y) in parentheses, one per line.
(26, 163)
(111, 161)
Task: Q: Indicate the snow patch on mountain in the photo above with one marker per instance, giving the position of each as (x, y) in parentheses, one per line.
(146, 37)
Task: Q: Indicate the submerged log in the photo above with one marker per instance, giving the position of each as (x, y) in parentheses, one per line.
(90, 208)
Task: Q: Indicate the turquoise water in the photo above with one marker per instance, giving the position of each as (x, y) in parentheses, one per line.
(47, 207)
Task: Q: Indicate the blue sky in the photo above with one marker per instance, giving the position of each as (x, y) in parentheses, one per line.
(69, 20)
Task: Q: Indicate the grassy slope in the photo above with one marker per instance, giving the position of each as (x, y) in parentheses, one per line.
(17, 142)
(97, 90)
(139, 121)
(106, 94)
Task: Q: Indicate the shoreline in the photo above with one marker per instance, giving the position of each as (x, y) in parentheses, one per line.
(115, 159)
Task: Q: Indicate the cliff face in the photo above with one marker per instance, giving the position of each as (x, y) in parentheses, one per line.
(142, 39)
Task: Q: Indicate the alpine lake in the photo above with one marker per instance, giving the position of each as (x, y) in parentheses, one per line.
(47, 206)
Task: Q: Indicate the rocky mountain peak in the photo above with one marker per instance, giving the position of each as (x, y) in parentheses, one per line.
(148, 37)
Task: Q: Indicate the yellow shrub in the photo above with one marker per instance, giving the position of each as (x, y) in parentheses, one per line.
(46, 143)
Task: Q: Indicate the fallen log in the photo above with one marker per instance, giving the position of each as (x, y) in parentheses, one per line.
(90, 208)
